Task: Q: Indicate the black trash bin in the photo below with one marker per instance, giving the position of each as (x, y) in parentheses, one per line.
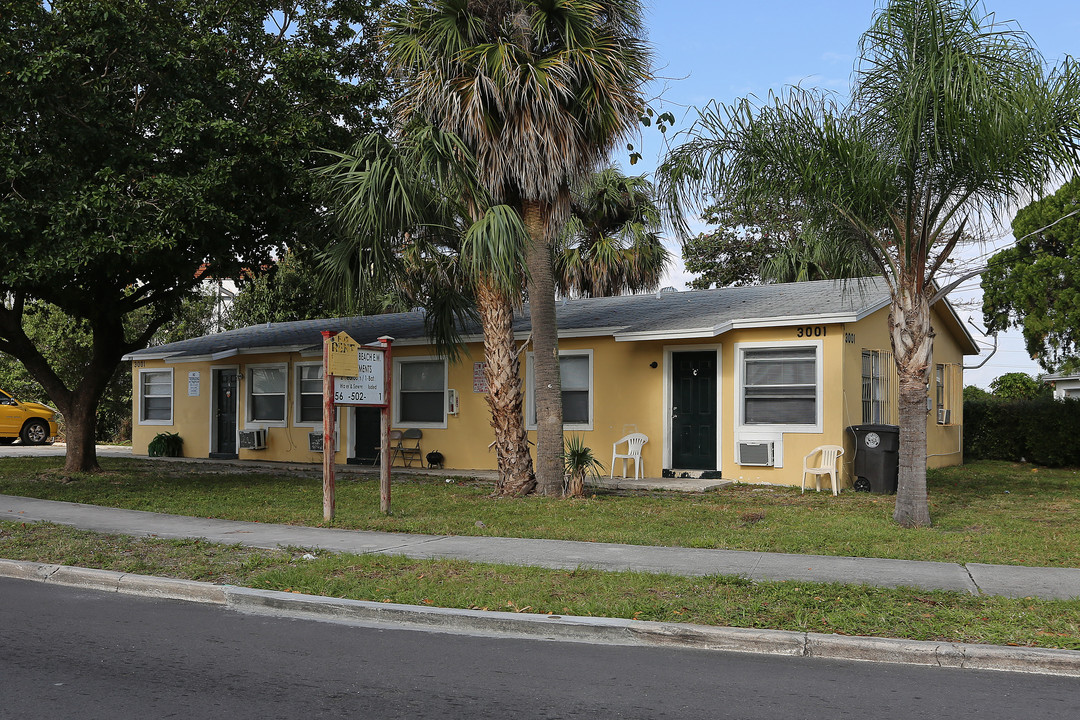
(877, 457)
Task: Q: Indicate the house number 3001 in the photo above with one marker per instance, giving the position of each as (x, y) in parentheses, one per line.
(810, 331)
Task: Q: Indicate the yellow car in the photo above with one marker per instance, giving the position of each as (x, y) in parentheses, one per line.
(34, 423)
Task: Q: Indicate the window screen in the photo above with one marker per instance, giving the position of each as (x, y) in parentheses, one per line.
(574, 370)
(310, 381)
(575, 376)
(780, 386)
(421, 392)
(156, 391)
(268, 394)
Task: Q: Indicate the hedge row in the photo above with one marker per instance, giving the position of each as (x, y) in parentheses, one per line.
(1043, 431)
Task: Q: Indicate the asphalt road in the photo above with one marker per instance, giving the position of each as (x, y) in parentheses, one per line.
(67, 652)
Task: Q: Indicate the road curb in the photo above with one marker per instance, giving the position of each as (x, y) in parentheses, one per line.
(112, 581)
(611, 631)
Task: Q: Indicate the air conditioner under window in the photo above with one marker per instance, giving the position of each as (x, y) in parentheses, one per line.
(253, 439)
(756, 453)
(944, 416)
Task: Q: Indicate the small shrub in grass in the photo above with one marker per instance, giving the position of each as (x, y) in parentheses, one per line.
(578, 461)
(166, 444)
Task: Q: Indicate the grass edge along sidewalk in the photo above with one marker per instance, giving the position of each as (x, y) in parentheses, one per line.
(989, 512)
(610, 631)
(841, 609)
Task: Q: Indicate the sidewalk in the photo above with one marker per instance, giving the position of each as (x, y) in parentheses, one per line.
(973, 578)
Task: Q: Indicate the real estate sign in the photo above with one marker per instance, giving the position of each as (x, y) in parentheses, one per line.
(368, 386)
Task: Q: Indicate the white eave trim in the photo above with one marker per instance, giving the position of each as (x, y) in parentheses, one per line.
(708, 332)
(175, 358)
(148, 356)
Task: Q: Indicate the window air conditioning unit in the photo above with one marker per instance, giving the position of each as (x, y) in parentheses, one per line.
(315, 441)
(756, 453)
(253, 439)
(944, 416)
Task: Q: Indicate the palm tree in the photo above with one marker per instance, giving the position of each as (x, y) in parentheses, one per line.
(416, 222)
(817, 255)
(540, 91)
(612, 243)
(953, 118)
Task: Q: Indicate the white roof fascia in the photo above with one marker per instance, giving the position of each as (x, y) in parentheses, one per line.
(578, 332)
(149, 356)
(266, 350)
(791, 320)
(786, 321)
(590, 332)
(203, 357)
(644, 335)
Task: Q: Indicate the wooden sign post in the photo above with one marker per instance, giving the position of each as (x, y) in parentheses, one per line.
(355, 375)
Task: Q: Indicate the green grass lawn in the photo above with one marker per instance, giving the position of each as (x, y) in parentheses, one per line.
(723, 601)
(987, 512)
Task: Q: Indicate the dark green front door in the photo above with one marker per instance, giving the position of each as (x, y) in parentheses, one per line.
(225, 412)
(693, 410)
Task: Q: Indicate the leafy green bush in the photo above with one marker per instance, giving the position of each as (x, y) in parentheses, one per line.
(1041, 431)
(166, 444)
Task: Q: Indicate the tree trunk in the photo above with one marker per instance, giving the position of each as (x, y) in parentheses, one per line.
(505, 396)
(80, 433)
(913, 345)
(545, 339)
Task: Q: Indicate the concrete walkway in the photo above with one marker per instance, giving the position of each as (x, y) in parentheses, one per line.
(973, 578)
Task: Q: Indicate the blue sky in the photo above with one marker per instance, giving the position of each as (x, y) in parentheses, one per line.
(725, 50)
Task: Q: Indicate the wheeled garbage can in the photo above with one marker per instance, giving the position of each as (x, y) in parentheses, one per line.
(876, 457)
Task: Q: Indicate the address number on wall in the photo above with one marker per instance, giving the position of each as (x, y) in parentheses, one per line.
(810, 331)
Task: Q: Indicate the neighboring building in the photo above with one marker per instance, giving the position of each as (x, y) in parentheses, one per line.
(744, 381)
(1065, 386)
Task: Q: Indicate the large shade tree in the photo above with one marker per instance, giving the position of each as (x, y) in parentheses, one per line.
(1035, 284)
(612, 243)
(540, 91)
(953, 117)
(140, 140)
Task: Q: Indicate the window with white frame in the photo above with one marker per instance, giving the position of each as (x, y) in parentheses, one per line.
(267, 390)
(309, 393)
(155, 397)
(575, 371)
(780, 385)
(420, 391)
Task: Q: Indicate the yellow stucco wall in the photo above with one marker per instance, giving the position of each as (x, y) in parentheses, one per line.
(628, 395)
(943, 442)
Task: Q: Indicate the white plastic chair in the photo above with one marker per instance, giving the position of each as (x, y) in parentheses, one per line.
(633, 441)
(828, 465)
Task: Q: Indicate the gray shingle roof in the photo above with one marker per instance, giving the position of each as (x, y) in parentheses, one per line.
(666, 315)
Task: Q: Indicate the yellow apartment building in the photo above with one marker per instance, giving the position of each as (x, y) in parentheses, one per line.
(739, 383)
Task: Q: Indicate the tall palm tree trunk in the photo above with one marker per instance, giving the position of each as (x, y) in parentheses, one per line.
(912, 343)
(504, 393)
(545, 339)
